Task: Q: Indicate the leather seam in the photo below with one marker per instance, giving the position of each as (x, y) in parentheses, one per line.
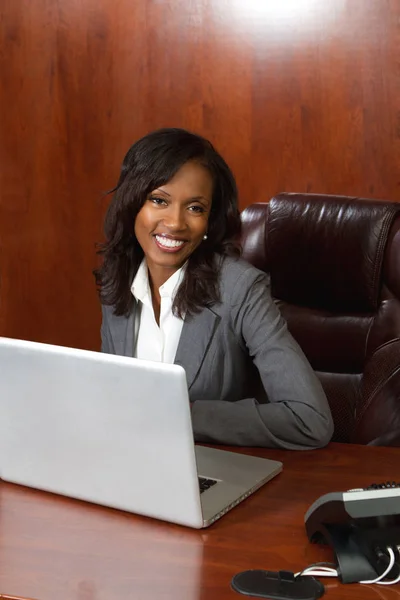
(380, 385)
(378, 262)
(367, 338)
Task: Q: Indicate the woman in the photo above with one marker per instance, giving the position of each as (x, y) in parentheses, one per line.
(173, 289)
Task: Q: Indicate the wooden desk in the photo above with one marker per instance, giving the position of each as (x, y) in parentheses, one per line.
(53, 548)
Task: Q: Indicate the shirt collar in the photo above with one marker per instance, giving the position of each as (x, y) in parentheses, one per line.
(140, 287)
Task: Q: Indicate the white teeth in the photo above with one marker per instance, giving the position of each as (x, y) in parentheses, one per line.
(168, 243)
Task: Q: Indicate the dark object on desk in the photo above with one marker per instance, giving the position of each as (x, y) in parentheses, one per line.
(335, 272)
(359, 525)
(282, 585)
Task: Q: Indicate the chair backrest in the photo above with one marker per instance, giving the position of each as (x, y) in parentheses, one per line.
(335, 272)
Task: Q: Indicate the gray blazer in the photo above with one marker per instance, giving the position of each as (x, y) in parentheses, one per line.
(249, 382)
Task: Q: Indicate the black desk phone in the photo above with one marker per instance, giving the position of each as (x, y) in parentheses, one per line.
(360, 525)
(363, 528)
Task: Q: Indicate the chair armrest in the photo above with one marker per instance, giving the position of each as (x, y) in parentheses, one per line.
(391, 438)
(378, 415)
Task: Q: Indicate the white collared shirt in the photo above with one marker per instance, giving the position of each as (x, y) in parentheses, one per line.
(153, 342)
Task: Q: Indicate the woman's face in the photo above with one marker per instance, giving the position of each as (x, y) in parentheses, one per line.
(174, 218)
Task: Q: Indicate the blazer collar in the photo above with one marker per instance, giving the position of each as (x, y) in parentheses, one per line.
(197, 333)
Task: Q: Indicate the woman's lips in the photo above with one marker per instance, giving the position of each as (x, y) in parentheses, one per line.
(168, 244)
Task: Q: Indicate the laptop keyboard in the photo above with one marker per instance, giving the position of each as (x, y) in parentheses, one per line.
(205, 484)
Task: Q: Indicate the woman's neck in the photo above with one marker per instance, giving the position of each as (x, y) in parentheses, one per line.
(157, 277)
(156, 299)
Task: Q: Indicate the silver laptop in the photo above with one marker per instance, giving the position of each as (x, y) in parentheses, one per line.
(115, 431)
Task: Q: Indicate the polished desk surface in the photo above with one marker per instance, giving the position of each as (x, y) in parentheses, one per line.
(54, 548)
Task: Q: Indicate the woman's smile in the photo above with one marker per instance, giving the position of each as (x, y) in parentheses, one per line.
(168, 244)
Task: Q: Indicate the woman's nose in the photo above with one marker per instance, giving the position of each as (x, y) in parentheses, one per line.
(174, 219)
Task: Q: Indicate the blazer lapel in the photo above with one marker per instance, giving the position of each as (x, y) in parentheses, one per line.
(197, 333)
(123, 333)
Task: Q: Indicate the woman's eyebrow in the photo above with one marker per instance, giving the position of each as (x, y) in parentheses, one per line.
(193, 199)
(161, 190)
(198, 199)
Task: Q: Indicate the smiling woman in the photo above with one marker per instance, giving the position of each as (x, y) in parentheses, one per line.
(173, 289)
(173, 222)
(174, 191)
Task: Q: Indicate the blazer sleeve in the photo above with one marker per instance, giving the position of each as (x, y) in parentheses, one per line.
(297, 415)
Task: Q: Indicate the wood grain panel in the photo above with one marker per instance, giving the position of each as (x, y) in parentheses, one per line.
(298, 96)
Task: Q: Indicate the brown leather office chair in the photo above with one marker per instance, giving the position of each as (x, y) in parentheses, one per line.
(335, 272)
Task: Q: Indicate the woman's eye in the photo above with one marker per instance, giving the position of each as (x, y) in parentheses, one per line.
(196, 208)
(156, 200)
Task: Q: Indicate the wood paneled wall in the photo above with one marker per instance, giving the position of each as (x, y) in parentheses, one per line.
(298, 95)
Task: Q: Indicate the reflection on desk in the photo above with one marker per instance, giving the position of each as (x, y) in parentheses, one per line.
(54, 548)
